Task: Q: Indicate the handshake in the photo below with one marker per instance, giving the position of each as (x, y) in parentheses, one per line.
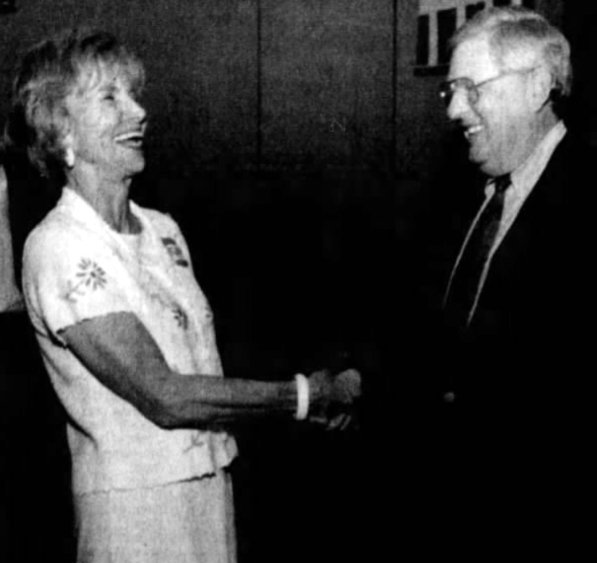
(328, 399)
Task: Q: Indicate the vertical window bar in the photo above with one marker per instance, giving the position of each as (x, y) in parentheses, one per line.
(446, 25)
(423, 40)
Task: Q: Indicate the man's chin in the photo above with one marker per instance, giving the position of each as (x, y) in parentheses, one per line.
(477, 160)
(482, 163)
(489, 170)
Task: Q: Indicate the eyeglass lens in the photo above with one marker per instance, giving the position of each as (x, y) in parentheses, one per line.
(447, 90)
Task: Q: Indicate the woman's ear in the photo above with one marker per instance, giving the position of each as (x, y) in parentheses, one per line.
(69, 153)
(69, 157)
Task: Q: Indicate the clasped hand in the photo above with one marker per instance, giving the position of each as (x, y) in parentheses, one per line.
(334, 398)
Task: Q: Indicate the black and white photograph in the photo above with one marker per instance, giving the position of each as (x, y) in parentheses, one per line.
(300, 281)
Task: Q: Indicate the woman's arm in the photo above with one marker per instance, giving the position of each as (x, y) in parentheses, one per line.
(10, 297)
(122, 354)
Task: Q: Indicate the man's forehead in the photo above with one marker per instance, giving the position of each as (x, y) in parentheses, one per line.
(473, 59)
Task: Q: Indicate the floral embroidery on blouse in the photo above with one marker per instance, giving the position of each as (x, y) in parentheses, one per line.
(89, 276)
(197, 441)
(175, 252)
(180, 317)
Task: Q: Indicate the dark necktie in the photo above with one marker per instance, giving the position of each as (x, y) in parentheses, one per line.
(465, 283)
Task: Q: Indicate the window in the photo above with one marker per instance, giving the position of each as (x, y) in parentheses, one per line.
(446, 26)
(423, 40)
(472, 9)
(438, 20)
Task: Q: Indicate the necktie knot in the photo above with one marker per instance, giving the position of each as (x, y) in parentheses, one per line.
(502, 183)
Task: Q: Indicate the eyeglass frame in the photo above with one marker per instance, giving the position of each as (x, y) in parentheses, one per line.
(473, 94)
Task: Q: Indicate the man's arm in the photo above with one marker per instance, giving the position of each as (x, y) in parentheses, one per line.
(122, 354)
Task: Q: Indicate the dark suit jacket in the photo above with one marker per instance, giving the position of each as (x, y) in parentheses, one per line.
(518, 433)
(531, 331)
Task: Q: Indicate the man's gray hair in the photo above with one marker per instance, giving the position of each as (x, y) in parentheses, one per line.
(514, 28)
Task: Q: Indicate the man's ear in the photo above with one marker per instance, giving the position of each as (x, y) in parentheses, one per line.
(541, 85)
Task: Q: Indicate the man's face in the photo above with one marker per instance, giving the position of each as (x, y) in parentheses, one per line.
(499, 125)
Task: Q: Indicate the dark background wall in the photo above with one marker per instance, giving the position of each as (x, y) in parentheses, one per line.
(297, 148)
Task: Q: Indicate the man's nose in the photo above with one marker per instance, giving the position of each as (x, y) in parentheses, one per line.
(459, 104)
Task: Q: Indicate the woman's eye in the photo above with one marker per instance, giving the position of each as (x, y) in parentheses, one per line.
(134, 94)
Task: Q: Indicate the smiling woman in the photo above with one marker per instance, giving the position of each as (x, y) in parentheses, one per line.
(78, 102)
(105, 134)
(126, 333)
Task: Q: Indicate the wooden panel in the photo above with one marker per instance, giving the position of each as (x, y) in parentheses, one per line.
(327, 82)
(202, 82)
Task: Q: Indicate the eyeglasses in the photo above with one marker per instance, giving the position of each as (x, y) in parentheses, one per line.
(448, 89)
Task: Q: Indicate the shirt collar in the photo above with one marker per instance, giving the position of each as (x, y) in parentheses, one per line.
(83, 210)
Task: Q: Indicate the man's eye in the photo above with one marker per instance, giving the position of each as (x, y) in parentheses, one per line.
(109, 97)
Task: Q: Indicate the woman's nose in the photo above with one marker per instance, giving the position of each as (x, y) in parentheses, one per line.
(135, 109)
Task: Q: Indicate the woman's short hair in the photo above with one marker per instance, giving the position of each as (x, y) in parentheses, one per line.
(511, 29)
(47, 74)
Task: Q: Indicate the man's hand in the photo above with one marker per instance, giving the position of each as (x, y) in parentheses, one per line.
(333, 398)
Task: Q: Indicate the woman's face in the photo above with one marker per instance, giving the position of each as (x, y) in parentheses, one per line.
(106, 124)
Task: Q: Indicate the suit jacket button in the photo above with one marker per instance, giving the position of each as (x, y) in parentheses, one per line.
(449, 397)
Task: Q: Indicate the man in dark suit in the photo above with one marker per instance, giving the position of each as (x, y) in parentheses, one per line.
(512, 352)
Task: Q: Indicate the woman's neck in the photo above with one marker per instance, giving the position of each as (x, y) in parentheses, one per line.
(109, 198)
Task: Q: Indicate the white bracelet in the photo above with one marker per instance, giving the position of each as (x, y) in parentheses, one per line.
(302, 397)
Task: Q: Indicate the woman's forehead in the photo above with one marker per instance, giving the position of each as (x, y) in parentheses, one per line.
(93, 75)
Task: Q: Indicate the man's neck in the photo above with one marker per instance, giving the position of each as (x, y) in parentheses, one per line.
(546, 121)
(538, 130)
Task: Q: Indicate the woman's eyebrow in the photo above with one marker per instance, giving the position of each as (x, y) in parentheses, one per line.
(109, 88)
